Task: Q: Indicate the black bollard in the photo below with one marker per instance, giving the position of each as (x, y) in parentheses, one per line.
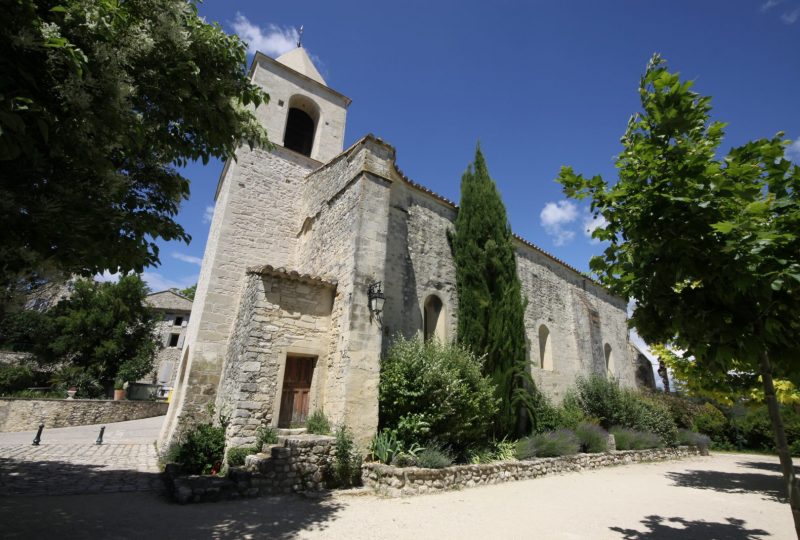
(100, 437)
(38, 438)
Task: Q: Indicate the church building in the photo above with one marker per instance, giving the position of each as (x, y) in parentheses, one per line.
(318, 255)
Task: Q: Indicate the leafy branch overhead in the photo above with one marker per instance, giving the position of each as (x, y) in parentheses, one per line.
(708, 246)
(99, 102)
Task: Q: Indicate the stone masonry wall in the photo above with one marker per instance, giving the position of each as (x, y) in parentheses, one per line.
(255, 222)
(20, 414)
(392, 481)
(295, 466)
(278, 315)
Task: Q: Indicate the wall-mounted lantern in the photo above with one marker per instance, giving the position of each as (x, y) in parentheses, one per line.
(376, 299)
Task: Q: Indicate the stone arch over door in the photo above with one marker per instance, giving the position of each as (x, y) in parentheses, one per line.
(434, 319)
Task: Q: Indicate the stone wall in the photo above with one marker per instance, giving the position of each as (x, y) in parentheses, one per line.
(280, 314)
(20, 414)
(401, 482)
(255, 222)
(295, 466)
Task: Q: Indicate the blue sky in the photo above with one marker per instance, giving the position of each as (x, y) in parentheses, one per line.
(540, 84)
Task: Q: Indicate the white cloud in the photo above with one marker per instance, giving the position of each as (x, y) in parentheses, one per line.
(272, 41)
(590, 223)
(107, 276)
(555, 216)
(769, 4)
(187, 258)
(793, 151)
(790, 17)
(158, 282)
(208, 214)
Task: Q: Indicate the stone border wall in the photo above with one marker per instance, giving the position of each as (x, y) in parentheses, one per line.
(23, 414)
(297, 465)
(401, 482)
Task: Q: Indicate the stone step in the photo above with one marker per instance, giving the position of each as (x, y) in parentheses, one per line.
(288, 432)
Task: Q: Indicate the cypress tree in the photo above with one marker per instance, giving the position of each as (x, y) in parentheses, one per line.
(490, 304)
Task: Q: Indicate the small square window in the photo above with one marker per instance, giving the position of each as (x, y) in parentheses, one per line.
(280, 103)
(173, 340)
(178, 321)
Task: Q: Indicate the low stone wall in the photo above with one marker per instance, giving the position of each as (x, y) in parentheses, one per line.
(401, 482)
(296, 465)
(22, 414)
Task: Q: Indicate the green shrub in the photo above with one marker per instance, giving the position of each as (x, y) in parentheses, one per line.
(681, 409)
(434, 458)
(236, 455)
(318, 423)
(687, 437)
(633, 439)
(502, 450)
(794, 448)
(385, 446)
(570, 414)
(593, 438)
(562, 442)
(603, 399)
(711, 421)
(16, 379)
(430, 390)
(345, 471)
(265, 435)
(201, 449)
(83, 380)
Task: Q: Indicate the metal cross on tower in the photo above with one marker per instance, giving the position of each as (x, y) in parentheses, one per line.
(300, 37)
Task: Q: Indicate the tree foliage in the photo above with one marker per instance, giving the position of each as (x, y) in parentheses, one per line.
(491, 309)
(435, 391)
(189, 292)
(708, 246)
(99, 101)
(107, 329)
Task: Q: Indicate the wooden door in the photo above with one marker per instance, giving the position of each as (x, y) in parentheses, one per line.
(296, 391)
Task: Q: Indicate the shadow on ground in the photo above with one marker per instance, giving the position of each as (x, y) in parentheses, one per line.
(764, 466)
(770, 486)
(58, 477)
(49, 498)
(152, 516)
(676, 528)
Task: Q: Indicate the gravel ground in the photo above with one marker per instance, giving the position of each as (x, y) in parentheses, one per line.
(725, 496)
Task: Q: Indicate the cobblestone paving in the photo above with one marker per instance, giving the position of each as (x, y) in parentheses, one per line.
(66, 467)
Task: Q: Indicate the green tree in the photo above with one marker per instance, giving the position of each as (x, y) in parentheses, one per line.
(189, 292)
(708, 246)
(490, 305)
(99, 101)
(107, 329)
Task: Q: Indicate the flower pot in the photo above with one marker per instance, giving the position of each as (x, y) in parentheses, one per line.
(71, 393)
(119, 395)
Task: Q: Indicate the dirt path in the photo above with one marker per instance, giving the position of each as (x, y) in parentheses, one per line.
(725, 496)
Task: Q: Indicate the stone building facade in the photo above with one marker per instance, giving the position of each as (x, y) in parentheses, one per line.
(281, 323)
(174, 310)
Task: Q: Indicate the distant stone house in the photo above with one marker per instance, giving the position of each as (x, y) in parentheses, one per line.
(174, 310)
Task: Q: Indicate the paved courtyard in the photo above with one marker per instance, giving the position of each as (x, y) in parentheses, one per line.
(67, 460)
(725, 496)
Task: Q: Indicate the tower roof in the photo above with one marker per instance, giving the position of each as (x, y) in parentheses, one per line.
(298, 60)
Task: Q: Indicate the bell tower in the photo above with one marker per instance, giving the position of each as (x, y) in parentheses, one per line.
(256, 221)
(303, 114)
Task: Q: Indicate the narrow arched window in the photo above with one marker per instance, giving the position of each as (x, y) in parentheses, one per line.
(545, 349)
(609, 359)
(299, 132)
(433, 324)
